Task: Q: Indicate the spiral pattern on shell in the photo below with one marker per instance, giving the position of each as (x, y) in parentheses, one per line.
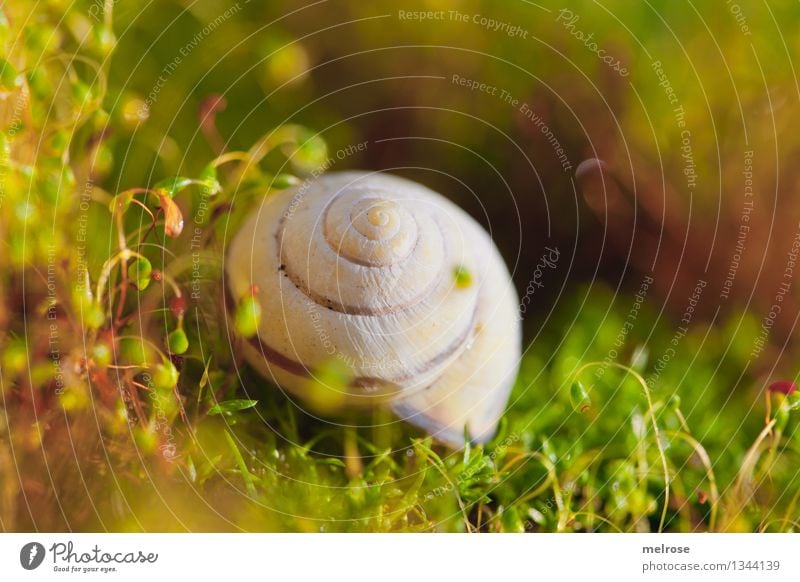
(360, 267)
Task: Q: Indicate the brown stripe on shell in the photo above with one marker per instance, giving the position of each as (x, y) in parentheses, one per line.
(292, 366)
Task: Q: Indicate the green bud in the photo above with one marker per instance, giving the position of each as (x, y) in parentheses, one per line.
(146, 438)
(67, 177)
(284, 181)
(248, 316)
(177, 342)
(328, 387)
(59, 141)
(25, 212)
(310, 154)
(82, 298)
(15, 357)
(101, 354)
(39, 83)
(81, 92)
(288, 64)
(165, 376)
(140, 272)
(104, 38)
(462, 276)
(133, 111)
(101, 120)
(94, 317)
(134, 351)
(102, 161)
(28, 171)
(55, 185)
(38, 38)
(9, 76)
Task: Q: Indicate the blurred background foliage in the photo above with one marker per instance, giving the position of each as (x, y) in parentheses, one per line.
(165, 86)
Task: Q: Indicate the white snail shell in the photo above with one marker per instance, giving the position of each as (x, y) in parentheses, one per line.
(361, 266)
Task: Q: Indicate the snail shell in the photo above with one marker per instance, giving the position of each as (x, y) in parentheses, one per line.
(362, 267)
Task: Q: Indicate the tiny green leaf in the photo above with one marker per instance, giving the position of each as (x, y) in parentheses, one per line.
(171, 186)
(579, 397)
(121, 202)
(248, 477)
(210, 180)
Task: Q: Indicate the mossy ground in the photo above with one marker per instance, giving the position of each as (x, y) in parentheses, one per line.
(568, 456)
